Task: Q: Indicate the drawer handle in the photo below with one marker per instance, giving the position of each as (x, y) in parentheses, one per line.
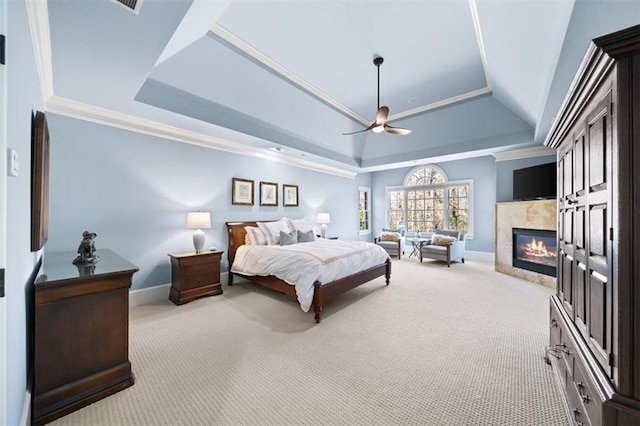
(576, 414)
(585, 398)
(552, 351)
(561, 347)
(569, 201)
(554, 323)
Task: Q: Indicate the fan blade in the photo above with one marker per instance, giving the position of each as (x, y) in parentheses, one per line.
(381, 115)
(360, 131)
(396, 130)
(353, 133)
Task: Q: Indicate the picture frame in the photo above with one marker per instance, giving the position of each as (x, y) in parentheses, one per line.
(289, 195)
(40, 148)
(241, 192)
(268, 194)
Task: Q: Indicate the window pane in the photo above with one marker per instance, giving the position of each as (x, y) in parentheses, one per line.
(395, 209)
(425, 176)
(363, 210)
(458, 208)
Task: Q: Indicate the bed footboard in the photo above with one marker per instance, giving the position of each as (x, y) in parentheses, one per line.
(326, 292)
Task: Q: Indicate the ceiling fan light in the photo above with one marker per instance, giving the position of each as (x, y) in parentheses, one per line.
(378, 128)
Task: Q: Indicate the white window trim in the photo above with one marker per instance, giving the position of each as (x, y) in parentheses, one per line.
(367, 190)
(447, 183)
(429, 166)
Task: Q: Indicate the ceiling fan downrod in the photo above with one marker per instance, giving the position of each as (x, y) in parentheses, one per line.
(377, 62)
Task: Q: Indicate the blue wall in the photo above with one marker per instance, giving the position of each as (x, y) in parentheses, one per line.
(135, 190)
(23, 99)
(481, 169)
(504, 174)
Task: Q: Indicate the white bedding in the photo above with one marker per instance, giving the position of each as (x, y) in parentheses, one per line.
(303, 264)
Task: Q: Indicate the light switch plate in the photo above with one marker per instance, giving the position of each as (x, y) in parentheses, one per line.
(14, 162)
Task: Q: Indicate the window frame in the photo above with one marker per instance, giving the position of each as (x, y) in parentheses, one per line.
(404, 188)
(367, 191)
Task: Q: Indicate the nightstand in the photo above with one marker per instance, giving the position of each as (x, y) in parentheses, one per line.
(194, 275)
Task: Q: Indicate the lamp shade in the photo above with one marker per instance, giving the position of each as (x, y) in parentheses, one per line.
(198, 220)
(324, 218)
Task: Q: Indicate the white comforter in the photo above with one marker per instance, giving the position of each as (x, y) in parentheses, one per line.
(303, 264)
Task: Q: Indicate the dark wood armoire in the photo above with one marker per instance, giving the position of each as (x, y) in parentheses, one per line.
(595, 313)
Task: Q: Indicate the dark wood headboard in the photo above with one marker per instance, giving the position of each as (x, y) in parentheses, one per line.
(236, 233)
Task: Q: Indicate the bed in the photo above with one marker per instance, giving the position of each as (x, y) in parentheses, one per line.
(322, 291)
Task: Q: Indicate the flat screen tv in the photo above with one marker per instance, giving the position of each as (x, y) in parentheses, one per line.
(535, 183)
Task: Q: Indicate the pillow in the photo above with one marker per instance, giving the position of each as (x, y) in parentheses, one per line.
(288, 238)
(390, 236)
(306, 237)
(272, 230)
(247, 240)
(256, 236)
(442, 240)
(303, 224)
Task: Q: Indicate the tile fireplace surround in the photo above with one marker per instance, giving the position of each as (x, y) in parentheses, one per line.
(535, 214)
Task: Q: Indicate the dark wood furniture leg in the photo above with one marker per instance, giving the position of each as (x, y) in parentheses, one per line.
(323, 293)
(317, 301)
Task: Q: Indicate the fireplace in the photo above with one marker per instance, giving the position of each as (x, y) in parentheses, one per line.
(535, 250)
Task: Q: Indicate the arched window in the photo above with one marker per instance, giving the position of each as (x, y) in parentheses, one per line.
(428, 201)
(425, 175)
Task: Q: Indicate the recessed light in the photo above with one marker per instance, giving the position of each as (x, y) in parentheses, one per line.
(413, 99)
(277, 149)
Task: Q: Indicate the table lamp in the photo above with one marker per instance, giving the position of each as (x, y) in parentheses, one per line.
(197, 221)
(323, 219)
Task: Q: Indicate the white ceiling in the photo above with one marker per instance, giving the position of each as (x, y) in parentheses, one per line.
(468, 77)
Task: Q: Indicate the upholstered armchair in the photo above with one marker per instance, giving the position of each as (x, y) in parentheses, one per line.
(444, 245)
(392, 240)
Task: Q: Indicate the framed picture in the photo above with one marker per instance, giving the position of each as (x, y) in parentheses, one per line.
(39, 181)
(289, 195)
(268, 194)
(241, 192)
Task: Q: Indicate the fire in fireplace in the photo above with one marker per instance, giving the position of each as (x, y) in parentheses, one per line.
(535, 250)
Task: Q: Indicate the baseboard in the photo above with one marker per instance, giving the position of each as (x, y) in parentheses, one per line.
(156, 293)
(25, 418)
(486, 256)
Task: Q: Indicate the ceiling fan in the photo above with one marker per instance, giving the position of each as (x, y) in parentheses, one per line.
(380, 124)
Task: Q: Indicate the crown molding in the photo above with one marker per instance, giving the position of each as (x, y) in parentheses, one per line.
(478, 30)
(38, 13)
(267, 61)
(442, 103)
(82, 111)
(517, 154)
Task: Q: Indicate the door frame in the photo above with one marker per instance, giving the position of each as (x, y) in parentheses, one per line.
(3, 218)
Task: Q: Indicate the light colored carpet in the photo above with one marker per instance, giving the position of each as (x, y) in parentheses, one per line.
(439, 346)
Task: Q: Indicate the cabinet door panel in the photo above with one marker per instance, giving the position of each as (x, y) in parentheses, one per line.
(568, 226)
(597, 149)
(568, 173)
(579, 176)
(599, 319)
(581, 292)
(580, 229)
(567, 283)
(597, 230)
